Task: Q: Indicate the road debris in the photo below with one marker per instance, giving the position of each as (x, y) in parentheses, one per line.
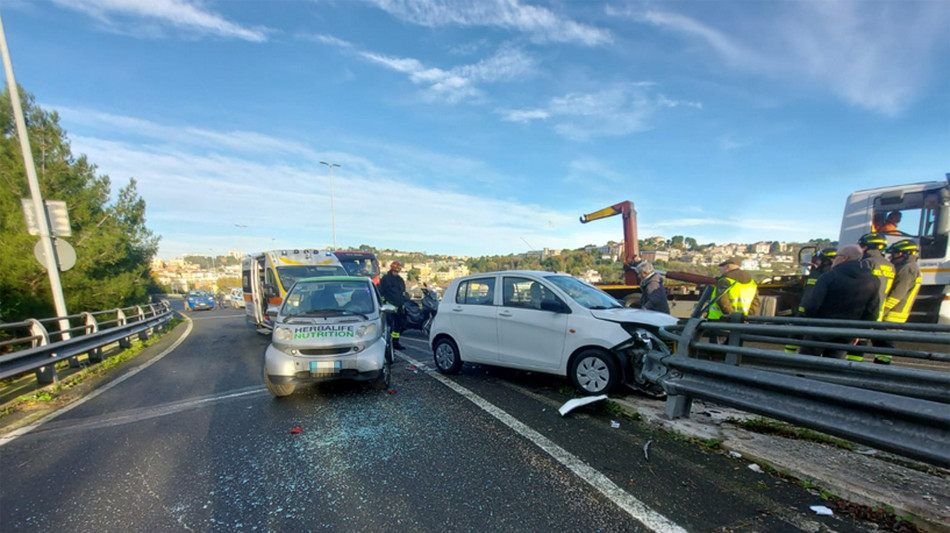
(577, 402)
(755, 468)
(614, 424)
(296, 430)
(392, 391)
(735, 455)
(646, 449)
(822, 510)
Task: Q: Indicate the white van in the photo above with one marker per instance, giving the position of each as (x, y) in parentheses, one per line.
(545, 322)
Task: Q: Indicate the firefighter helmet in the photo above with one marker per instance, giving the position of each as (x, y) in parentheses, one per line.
(874, 241)
(828, 253)
(395, 265)
(905, 246)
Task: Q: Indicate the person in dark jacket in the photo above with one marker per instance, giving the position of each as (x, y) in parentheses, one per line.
(651, 285)
(392, 288)
(849, 292)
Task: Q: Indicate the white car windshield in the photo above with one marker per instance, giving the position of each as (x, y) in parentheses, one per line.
(290, 274)
(328, 298)
(583, 293)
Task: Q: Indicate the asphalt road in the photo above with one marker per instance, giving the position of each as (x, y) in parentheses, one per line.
(193, 442)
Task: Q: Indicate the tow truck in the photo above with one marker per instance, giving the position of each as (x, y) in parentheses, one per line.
(925, 210)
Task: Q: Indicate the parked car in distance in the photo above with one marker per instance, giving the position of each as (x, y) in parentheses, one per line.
(545, 322)
(329, 328)
(198, 299)
(237, 298)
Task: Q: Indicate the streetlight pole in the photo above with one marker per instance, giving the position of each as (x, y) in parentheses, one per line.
(332, 213)
(39, 207)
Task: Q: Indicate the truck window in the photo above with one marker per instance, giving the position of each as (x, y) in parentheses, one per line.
(914, 216)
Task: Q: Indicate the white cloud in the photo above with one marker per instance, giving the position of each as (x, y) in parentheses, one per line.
(876, 55)
(453, 85)
(539, 23)
(125, 16)
(616, 111)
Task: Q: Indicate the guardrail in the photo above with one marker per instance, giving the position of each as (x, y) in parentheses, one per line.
(893, 408)
(32, 345)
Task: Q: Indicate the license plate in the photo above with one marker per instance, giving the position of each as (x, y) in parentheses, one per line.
(325, 367)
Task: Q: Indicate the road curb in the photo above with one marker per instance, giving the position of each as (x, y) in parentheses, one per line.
(12, 426)
(870, 480)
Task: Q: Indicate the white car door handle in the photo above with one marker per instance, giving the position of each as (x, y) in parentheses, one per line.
(505, 313)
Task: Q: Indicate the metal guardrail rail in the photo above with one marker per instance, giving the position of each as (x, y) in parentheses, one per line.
(32, 345)
(893, 408)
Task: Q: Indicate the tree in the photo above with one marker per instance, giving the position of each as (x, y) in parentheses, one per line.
(691, 243)
(113, 246)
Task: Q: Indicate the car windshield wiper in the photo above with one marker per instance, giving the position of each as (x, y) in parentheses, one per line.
(604, 307)
(346, 312)
(320, 312)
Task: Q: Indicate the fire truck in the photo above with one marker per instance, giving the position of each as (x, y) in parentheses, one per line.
(267, 276)
(925, 219)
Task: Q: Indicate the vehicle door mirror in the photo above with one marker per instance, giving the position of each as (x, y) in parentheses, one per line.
(388, 308)
(272, 311)
(555, 306)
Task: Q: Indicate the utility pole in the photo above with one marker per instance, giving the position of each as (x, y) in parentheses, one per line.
(38, 205)
(332, 214)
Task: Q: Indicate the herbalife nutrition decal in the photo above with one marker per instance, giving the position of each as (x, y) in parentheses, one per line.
(323, 332)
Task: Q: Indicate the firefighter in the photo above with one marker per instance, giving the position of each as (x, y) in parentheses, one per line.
(904, 290)
(393, 290)
(735, 291)
(874, 261)
(820, 263)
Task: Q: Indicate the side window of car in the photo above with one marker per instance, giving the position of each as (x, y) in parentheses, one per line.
(521, 292)
(476, 292)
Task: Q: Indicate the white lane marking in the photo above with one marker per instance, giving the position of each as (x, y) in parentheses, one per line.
(10, 437)
(146, 413)
(626, 501)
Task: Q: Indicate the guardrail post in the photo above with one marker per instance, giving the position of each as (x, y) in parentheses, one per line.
(124, 342)
(94, 355)
(735, 339)
(45, 375)
(143, 335)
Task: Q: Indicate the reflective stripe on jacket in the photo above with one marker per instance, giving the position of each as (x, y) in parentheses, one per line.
(903, 293)
(882, 269)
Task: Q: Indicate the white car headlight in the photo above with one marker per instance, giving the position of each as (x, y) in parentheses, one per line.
(368, 331)
(283, 334)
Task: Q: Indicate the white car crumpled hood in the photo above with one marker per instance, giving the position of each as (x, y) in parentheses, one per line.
(635, 316)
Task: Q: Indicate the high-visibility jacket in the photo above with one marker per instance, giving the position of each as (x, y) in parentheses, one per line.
(903, 292)
(883, 269)
(742, 296)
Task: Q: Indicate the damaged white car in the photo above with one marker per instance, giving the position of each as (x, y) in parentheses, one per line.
(545, 322)
(329, 328)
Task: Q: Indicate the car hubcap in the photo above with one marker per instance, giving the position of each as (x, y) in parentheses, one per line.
(593, 374)
(444, 356)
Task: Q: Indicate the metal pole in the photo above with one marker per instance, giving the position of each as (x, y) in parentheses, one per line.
(332, 212)
(38, 205)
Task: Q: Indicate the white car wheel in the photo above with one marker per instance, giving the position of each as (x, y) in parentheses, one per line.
(594, 372)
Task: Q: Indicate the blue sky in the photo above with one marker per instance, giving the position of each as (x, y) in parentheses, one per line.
(489, 127)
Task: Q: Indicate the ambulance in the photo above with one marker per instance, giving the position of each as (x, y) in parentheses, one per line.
(267, 276)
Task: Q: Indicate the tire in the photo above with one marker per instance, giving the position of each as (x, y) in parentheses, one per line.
(446, 355)
(385, 377)
(594, 372)
(279, 391)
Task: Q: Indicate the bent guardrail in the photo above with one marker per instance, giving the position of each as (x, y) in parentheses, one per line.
(33, 346)
(893, 408)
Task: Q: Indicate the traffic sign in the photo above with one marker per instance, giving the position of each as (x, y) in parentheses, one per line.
(56, 212)
(64, 252)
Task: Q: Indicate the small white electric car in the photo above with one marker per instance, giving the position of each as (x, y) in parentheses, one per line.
(327, 329)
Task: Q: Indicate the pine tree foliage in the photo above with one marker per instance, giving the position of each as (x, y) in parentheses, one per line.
(113, 245)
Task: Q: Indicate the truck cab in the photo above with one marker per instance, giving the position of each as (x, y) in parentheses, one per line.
(923, 211)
